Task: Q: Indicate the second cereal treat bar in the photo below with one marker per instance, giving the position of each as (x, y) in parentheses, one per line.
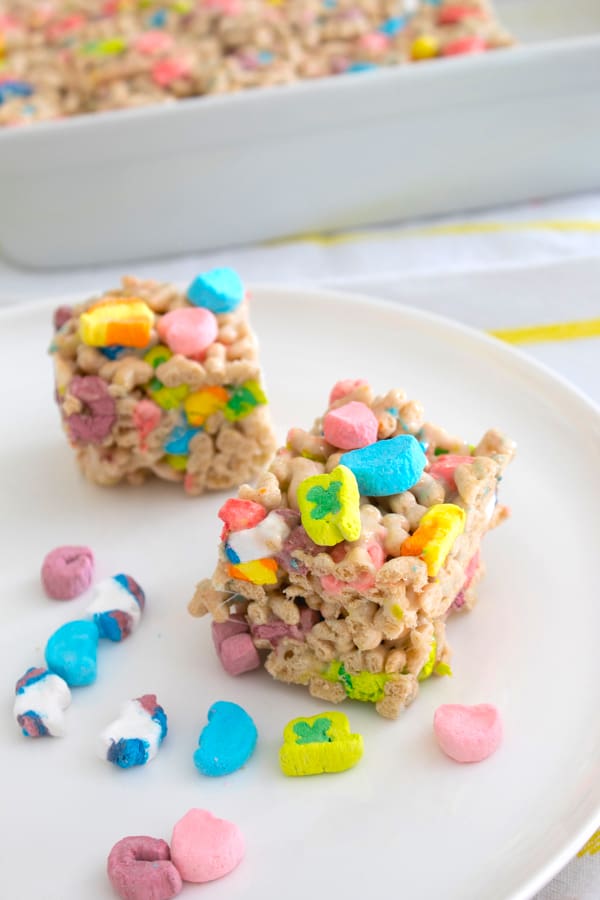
(342, 566)
(152, 380)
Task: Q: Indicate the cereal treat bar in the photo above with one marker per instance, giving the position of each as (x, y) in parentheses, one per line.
(154, 380)
(70, 57)
(341, 567)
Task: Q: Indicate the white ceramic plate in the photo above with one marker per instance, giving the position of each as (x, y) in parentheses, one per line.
(407, 820)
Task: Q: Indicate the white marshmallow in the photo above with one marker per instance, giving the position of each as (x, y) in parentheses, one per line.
(264, 540)
(48, 698)
(134, 722)
(109, 595)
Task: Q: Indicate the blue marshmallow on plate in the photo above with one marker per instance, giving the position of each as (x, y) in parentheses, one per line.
(71, 652)
(227, 742)
(220, 290)
(386, 467)
(134, 738)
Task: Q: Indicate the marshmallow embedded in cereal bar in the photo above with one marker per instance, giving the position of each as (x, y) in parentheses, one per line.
(154, 380)
(341, 567)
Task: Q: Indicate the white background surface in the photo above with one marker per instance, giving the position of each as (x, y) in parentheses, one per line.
(422, 822)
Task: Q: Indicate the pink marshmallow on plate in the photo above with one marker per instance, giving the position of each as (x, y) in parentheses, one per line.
(468, 733)
(204, 848)
(67, 572)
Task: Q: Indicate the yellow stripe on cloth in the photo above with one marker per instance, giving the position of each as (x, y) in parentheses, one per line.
(558, 331)
(327, 239)
(535, 225)
(592, 847)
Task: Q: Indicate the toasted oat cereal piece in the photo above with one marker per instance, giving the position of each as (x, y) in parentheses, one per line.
(346, 585)
(151, 380)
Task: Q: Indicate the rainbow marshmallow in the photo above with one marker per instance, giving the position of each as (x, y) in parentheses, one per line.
(127, 322)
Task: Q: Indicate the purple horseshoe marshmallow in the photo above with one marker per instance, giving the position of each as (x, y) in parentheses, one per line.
(99, 414)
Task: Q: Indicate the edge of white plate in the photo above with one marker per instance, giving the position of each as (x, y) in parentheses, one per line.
(540, 372)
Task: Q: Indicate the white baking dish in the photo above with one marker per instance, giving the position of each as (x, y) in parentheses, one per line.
(346, 151)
